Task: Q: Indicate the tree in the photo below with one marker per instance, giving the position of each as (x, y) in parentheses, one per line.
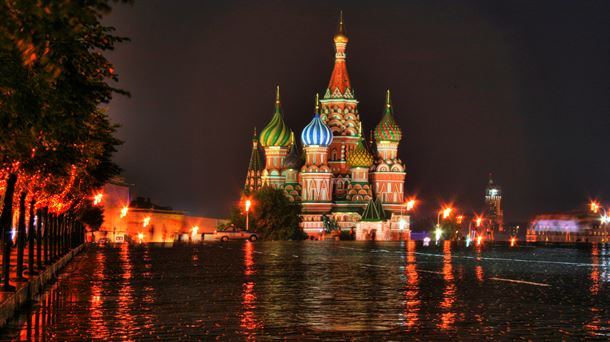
(272, 215)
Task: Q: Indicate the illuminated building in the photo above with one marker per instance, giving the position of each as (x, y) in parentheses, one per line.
(341, 174)
(125, 219)
(568, 227)
(493, 207)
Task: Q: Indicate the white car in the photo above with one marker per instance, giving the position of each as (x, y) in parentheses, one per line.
(232, 233)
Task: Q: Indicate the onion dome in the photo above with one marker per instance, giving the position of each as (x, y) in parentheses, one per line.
(316, 132)
(340, 36)
(276, 133)
(387, 129)
(293, 159)
(360, 155)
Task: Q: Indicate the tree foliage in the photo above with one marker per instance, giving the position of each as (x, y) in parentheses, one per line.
(272, 215)
(54, 78)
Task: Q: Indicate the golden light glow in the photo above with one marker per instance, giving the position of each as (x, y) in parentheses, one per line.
(410, 204)
(479, 240)
(248, 204)
(124, 211)
(146, 221)
(194, 230)
(447, 212)
(97, 198)
(140, 236)
(479, 220)
(460, 219)
(594, 206)
(513, 241)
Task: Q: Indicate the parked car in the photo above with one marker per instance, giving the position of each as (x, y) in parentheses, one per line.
(234, 233)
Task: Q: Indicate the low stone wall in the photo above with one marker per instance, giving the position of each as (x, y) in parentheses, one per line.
(26, 292)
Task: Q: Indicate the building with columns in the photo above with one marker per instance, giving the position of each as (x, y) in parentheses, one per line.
(336, 174)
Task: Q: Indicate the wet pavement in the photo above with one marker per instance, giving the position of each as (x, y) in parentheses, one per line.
(331, 290)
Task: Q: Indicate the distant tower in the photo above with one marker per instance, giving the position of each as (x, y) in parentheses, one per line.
(275, 139)
(255, 169)
(493, 205)
(292, 165)
(360, 161)
(316, 176)
(388, 173)
(340, 113)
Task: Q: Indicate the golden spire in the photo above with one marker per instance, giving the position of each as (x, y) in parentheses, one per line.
(388, 103)
(291, 138)
(340, 36)
(317, 102)
(360, 130)
(277, 95)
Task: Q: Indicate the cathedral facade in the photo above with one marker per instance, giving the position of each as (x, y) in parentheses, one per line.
(337, 174)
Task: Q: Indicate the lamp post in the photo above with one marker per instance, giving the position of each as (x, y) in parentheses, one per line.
(597, 208)
(248, 204)
(446, 213)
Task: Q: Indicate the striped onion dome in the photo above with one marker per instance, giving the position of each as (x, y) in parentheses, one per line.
(360, 156)
(387, 129)
(276, 133)
(316, 133)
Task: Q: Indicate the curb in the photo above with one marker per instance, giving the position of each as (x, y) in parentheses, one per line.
(26, 293)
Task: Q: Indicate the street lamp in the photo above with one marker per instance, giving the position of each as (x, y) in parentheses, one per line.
(124, 211)
(446, 213)
(604, 218)
(248, 204)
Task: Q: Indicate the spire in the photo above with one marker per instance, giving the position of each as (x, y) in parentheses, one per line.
(388, 129)
(255, 167)
(340, 36)
(491, 181)
(277, 98)
(276, 133)
(388, 102)
(339, 85)
(317, 103)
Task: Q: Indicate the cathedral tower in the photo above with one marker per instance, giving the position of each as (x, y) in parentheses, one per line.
(275, 139)
(292, 165)
(340, 113)
(388, 173)
(360, 161)
(493, 205)
(255, 169)
(316, 176)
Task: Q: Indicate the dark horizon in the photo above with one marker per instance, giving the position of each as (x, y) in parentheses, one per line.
(519, 89)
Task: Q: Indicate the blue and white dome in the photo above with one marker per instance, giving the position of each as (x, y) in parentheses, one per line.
(316, 133)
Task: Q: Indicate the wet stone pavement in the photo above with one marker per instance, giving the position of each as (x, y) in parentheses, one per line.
(325, 290)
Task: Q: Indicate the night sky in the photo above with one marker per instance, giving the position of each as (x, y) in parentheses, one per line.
(517, 88)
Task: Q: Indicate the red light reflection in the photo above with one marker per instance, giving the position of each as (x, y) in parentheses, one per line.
(412, 301)
(448, 317)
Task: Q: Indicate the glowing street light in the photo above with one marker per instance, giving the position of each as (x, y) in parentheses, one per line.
(402, 224)
(124, 211)
(194, 231)
(447, 212)
(438, 233)
(248, 204)
(594, 206)
(97, 198)
(410, 205)
(478, 221)
(146, 221)
(140, 237)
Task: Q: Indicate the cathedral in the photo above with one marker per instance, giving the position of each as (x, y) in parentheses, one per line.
(337, 175)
